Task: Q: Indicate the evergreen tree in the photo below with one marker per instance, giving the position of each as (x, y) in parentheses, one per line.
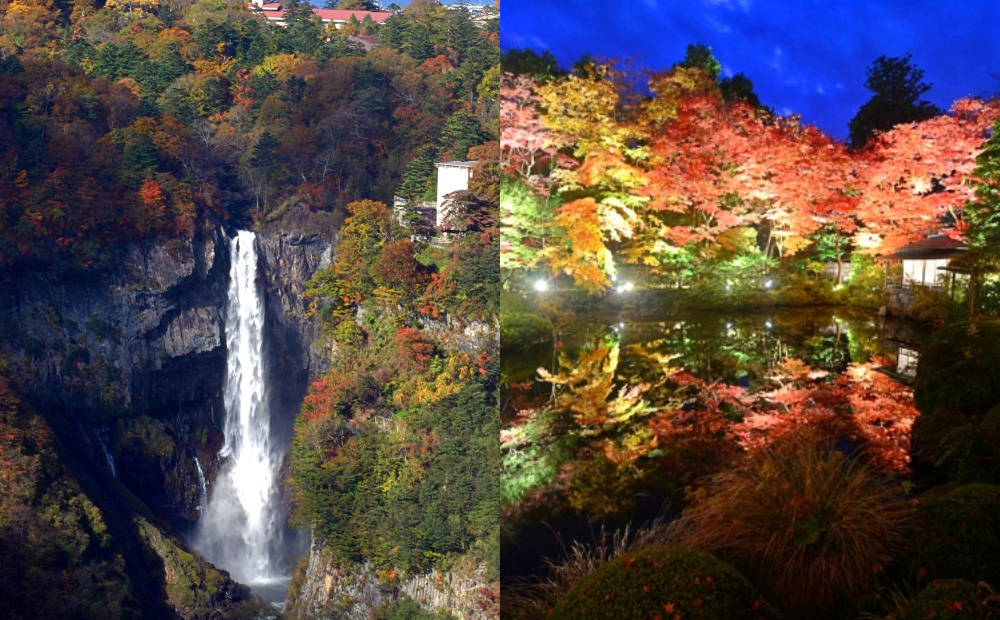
(417, 174)
(418, 42)
(251, 46)
(461, 132)
(265, 159)
(138, 158)
(983, 214)
(356, 5)
(739, 88)
(528, 62)
(700, 56)
(302, 33)
(897, 88)
(368, 25)
(352, 27)
(393, 31)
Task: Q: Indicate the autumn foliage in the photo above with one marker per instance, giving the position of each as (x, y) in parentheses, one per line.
(679, 170)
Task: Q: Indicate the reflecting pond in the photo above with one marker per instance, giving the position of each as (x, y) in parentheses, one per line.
(601, 389)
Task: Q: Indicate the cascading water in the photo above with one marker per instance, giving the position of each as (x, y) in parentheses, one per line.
(202, 487)
(241, 529)
(107, 455)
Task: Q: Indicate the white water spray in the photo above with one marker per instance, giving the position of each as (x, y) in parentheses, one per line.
(241, 525)
(107, 455)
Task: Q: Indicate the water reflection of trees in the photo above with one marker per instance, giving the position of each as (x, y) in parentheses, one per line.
(632, 409)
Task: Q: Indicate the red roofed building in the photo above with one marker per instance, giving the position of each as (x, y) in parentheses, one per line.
(273, 12)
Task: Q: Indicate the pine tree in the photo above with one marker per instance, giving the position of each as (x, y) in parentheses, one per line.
(265, 159)
(461, 132)
(393, 31)
(417, 174)
(897, 87)
(418, 42)
(983, 214)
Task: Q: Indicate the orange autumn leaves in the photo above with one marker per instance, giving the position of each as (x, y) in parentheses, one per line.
(690, 166)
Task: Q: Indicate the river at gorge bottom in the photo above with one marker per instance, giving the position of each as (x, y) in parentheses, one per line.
(628, 412)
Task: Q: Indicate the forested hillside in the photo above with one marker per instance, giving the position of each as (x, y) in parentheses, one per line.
(133, 119)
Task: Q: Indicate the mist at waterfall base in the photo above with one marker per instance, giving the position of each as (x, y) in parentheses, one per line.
(242, 528)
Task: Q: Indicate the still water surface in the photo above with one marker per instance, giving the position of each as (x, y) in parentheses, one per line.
(737, 349)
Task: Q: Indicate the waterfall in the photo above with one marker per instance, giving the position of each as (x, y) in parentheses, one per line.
(202, 487)
(107, 455)
(241, 529)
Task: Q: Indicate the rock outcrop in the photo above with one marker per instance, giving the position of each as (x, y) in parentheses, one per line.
(354, 591)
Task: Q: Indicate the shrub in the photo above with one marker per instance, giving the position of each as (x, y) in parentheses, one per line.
(958, 537)
(959, 369)
(808, 524)
(929, 432)
(949, 599)
(664, 582)
(967, 452)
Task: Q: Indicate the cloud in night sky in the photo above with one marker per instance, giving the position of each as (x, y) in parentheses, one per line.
(804, 56)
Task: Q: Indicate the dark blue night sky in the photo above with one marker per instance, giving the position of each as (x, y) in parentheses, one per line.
(805, 57)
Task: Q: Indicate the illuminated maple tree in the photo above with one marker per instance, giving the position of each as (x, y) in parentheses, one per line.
(916, 177)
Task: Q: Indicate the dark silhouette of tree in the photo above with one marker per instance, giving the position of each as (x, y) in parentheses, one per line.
(528, 62)
(897, 87)
(739, 88)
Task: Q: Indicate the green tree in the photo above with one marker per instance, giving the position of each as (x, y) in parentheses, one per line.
(418, 41)
(354, 5)
(418, 173)
(266, 162)
(897, 87)
(739, 88)
(461, 132)
(302, 32)
(393, 31)
(983, 214)
(700, 56)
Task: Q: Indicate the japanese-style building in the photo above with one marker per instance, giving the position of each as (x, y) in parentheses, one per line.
(920, 265)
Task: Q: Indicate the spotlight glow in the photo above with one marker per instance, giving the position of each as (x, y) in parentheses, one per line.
(541, 286)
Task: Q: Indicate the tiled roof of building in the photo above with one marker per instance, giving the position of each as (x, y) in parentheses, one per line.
(937, 246)
(273, 10)
(457, 164)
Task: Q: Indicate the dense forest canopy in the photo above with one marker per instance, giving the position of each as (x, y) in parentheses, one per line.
(145, 118)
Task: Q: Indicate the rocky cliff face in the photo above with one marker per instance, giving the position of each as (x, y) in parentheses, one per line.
(118, 340)
(293, 354)
(146, 339)
(139, 354)
(355, 591)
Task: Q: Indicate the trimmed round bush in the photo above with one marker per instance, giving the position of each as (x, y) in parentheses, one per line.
(959, 537)
(665, 582)
(959, 370)
(948, 599)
